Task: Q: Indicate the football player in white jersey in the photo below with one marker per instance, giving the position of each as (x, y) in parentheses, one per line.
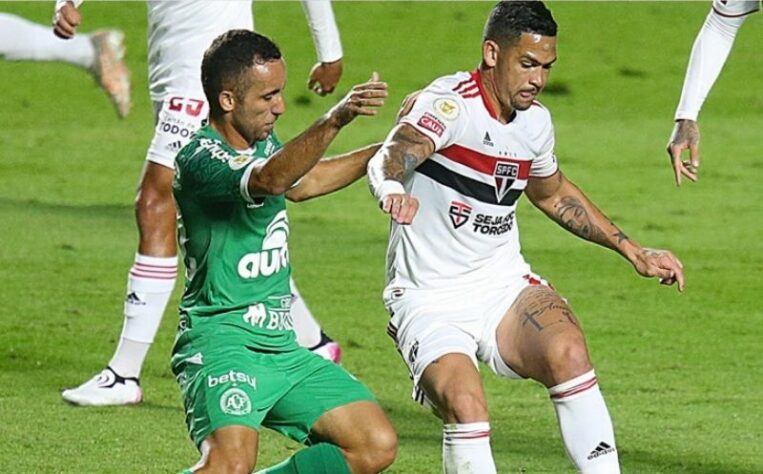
(708, 55)
(178, 34)
(458, 287)
(100, 53)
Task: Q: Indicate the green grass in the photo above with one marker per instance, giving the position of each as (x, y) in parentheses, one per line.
(681, 373)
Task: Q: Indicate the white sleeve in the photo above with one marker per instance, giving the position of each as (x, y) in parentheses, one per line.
(320, 18)
(708, 55)
(545, 164)
(440, 115)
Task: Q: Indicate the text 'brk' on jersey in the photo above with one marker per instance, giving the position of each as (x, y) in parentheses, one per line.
(235, 246)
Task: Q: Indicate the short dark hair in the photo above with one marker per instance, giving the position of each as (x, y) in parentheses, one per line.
(509, 19)
(229, 55)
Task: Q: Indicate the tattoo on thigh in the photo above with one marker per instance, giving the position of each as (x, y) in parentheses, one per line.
(543, 309)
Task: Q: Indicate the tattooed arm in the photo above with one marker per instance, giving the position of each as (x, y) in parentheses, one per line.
(566, 204)
(403, 150)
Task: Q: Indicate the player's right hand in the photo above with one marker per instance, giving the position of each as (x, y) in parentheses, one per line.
(363, 99)
(685, 136)
(402, 208)
(66, 20)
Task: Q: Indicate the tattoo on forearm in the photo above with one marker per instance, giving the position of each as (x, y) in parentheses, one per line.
(572, 215)
(620, 236)
(403, 155)
(542, 309)
(687, 132)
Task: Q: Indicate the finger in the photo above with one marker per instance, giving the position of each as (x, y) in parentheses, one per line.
(677, 172)
(374, 77)
(386, 205)
(60, 33)
(71, 16)
(686, 171)
(694, 155)
(64, 28)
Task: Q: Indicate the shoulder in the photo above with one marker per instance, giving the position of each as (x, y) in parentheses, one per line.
(536, 121)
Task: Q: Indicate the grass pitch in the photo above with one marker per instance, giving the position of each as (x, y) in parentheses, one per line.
(681, 373)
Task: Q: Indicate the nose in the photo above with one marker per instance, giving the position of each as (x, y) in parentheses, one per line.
(279, 106)
(538, 77)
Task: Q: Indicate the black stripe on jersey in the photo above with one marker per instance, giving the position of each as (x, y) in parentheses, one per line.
(466, 186)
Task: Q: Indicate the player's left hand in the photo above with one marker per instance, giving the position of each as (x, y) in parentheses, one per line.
(402, 208)
(324, 77)
(685, 136)
(660, 263)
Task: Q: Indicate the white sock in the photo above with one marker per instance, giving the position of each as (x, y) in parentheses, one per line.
(466, 449)
(307, 328)
(585, 425)
(23, 40)
(149, 286)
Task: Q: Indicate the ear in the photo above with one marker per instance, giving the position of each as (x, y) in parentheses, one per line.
(490, 51)
(227, 100)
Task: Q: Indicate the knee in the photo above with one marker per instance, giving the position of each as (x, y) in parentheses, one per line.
(379, 451)
(463, 406)
(228, 464)
(567, 358)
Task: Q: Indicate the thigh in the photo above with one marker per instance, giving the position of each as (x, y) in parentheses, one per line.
(534, 333)
(318, 386)
(228, 448)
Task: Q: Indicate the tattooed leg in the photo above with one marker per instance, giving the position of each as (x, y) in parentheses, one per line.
(540, 337)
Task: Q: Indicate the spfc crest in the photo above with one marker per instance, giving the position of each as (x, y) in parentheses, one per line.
(505, 174)
(459, 213)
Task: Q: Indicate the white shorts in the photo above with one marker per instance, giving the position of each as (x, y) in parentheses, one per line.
(178, 118)
(428, 324)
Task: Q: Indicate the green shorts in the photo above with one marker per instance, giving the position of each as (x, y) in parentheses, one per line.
(284, 391)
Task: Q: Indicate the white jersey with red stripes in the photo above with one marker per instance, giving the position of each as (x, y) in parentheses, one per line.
(465, 233)
(735, 8)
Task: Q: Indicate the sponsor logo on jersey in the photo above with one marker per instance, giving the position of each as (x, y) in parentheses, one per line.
(214, 149)
(274, 256)
(447, 108)
(235, 401)
(274, 319)
(232, 377)
(487, 141)
(167, 126)
(432, 123)
(413, 352)
(459, 213)
(192, 107)
(505, 174)
(493, 225)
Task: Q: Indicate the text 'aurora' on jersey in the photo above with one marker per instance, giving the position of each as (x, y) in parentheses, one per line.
(274, 256)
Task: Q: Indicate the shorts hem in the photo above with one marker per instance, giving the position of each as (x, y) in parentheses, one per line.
(197, 440)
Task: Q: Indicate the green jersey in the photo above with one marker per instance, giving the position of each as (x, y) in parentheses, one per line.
(234, 247)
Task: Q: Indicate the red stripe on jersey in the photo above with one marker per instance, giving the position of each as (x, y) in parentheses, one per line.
(471, 89)
(463, 83)
(481, 162)
(489, 106)
(469, 96)
(576, 389)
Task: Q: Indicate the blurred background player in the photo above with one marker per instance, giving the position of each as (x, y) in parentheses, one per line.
(99, 52)
(178, 35)
(708, 55)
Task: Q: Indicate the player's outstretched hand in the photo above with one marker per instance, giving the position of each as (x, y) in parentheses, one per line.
(324, 77)
(685, 136)
(662, 264)
(66, 20)
(363, 99)
(402, 208)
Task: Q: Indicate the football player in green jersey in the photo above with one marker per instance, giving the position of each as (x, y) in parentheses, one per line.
(235, 357)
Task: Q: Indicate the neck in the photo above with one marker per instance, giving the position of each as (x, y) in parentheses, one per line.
(229, 133)
(487, 78)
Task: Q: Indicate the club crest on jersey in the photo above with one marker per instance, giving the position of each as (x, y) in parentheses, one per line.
(459, 213)
(505, 174)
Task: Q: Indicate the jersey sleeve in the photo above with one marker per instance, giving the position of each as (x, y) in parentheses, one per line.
(545, 164)
(439, 114)
(735, 8)
(217, 178)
